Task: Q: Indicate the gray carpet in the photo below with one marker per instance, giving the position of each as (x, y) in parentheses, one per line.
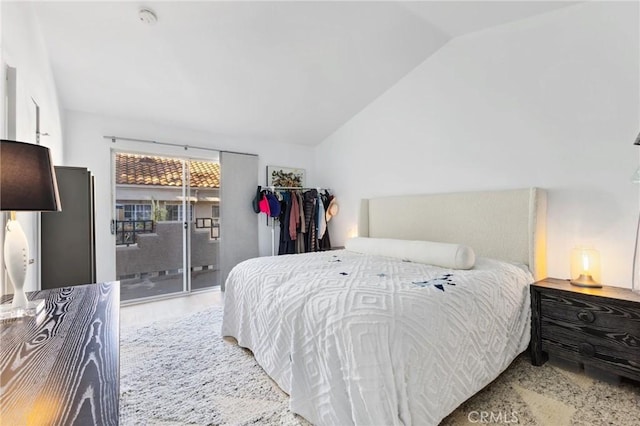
(182, 372)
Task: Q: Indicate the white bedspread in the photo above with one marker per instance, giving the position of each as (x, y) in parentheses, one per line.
(366, 340)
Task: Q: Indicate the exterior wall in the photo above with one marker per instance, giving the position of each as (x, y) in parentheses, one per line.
(144, 192)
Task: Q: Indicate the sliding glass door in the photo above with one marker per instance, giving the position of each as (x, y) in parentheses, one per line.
(204, 224)
(166, 224)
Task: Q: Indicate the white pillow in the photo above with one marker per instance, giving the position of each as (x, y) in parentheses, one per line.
(454, 256)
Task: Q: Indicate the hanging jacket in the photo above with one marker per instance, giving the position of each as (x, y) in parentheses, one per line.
(310, 216)
(322, 220)
(294, 217)
(325, 241)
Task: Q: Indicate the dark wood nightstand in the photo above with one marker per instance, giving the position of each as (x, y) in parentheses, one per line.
(599, 327)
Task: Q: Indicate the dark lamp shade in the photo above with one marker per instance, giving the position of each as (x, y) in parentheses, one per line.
(637, 142)
(27, 178)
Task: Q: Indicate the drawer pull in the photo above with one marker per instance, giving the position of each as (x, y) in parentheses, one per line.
(586, 349)
(586, 316)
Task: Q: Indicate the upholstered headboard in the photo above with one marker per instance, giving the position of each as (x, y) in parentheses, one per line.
(507, 225)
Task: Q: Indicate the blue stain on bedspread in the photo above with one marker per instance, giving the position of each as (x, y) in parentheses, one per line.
(438, 282)
(343, 273)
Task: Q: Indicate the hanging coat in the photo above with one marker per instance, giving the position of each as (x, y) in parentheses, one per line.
(325, 241)
(310, 217)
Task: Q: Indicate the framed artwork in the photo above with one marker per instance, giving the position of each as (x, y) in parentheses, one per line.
(285, 176)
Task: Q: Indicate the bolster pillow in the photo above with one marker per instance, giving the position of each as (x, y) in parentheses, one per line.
(453, 256)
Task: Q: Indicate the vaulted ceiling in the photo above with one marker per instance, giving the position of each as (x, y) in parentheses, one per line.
(272, 71)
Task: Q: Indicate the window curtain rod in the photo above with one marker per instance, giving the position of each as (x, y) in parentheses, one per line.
(113, 139)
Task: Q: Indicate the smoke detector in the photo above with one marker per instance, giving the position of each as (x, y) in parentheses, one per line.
(147, 16)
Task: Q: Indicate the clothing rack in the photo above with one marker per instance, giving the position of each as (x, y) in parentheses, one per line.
(294, 188)
(273, 220)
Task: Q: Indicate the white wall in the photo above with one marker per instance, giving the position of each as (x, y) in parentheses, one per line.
(23, 48)
(2, 92)
(3, 134)
(86, 147)
(551, 101)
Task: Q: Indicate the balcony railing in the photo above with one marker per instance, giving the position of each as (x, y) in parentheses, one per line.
(127, 230)
(209, 223)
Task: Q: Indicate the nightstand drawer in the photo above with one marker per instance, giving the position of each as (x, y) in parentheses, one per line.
(591, 342)
(594, 311)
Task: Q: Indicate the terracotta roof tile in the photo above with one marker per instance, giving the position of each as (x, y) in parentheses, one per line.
(133, 169)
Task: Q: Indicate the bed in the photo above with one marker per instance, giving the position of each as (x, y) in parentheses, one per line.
(356, 338)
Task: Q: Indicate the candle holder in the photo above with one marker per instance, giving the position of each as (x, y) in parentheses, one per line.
(585, 267)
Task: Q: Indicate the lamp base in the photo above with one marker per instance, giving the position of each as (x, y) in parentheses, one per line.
(586, 281)
(33, 308)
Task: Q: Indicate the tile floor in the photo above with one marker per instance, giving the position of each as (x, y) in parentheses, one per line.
(166, 284)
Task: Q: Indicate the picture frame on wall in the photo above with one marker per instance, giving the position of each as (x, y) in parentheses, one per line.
(287, 177)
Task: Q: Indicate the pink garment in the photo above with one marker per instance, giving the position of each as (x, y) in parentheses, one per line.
(264, 205)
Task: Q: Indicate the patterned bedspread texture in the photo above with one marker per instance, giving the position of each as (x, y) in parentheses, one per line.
(369, 340)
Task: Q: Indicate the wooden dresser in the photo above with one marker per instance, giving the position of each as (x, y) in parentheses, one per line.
(62, 366)
(599, 327)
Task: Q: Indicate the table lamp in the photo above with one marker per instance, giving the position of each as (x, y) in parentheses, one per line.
(27, 183)
(585, 267)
